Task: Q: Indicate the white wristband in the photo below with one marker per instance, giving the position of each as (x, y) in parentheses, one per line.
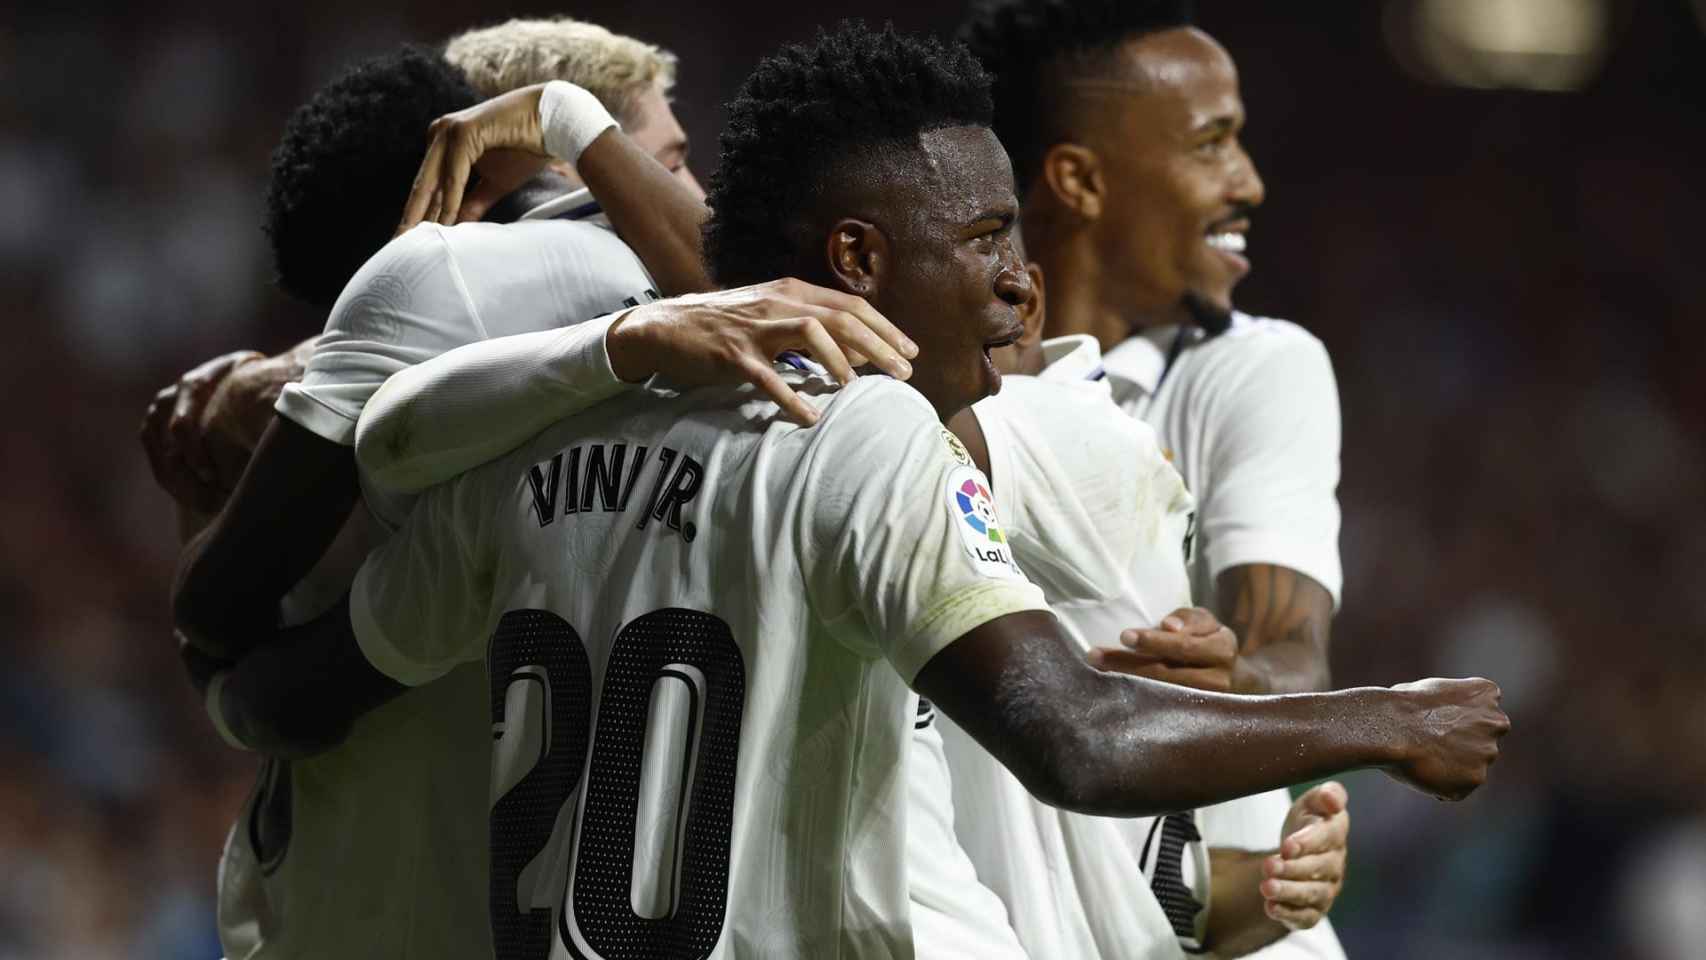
(217, 714)
(570, 119)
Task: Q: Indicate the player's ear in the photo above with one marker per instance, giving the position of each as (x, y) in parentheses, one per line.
(858, 256)
(1072, 176)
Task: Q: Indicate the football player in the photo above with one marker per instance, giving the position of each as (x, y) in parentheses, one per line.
(696, 576)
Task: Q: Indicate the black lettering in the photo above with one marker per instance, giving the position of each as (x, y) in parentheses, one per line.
(603, 476)
(544, 484)
(666, 457)
(571, 499)
(633, 475)
(682, 487)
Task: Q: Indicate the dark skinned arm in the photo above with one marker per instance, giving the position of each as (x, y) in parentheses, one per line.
(651, 209)
(1282, 619)
(1101, 743)
(295, 495)
(300, 690)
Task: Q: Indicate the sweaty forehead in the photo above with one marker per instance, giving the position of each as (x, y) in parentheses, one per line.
(966, 173)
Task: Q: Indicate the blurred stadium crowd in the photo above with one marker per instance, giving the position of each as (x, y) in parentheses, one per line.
(1504, 279)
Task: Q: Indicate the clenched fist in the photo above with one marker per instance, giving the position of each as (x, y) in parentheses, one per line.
(1453, 728)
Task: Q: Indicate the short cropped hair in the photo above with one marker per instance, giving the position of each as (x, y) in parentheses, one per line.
(1031, 47)
(345, 165)
(618, 70)
(813, 115)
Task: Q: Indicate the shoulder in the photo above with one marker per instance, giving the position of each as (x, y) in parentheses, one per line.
(873, 404)
(1260, 357)
(1254, 341)
(391, 283)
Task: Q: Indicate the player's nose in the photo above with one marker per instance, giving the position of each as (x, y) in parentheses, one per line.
(1013, 282)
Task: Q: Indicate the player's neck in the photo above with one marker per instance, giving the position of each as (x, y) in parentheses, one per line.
(1085, 296)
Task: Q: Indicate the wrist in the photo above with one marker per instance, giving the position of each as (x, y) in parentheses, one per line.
(1395, 740)
(626, 347)
(570, 119)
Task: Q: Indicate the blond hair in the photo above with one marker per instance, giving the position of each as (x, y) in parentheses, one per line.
(618, 70)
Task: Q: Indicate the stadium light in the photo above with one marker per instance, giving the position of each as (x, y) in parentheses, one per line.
(1522, 44)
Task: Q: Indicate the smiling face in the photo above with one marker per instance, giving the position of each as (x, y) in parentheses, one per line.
(1179, 188)
(939, 261)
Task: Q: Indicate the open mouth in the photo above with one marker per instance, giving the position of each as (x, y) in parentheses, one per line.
(1228, 236)
(1227, 242)
(1005, 341)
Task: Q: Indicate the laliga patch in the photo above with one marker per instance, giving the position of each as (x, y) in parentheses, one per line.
(971, 508)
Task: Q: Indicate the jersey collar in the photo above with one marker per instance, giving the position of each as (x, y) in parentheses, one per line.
(574, 205)
(1069, 358)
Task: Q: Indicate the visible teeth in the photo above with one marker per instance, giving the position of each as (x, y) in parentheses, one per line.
(1230, 242)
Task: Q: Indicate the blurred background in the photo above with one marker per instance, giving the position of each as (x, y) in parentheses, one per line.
(1483, 207)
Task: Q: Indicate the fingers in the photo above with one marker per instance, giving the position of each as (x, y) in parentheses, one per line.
(1193, 620)
(1327, 798)
(853, 332)
(419, 205)
(1318, 837)
(868, 316)
(1293, 918)
(823, 347)
(1299, 894)
(184, 427)
(1323, 867)
(794, 407)
(1217, 649)
(459, 157)
(1117, 660)
(484, 195)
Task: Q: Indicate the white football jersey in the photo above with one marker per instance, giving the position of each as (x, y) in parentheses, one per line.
(377, 848)
(1102, 523)
(700, 622)
(1252, 419)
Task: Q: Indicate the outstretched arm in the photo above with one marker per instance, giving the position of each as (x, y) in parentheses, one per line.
(1101, 743)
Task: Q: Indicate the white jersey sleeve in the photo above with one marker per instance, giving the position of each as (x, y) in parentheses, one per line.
(451, 413)
(422, 603)
(1093, 506)
(903, 544)
(406, 304)
(1274, 460)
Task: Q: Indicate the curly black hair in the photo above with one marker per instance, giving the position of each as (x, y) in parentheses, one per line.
(812, 115)
(1025, 44)
(346, 162)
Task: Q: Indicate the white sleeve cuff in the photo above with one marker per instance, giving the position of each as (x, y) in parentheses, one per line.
(376, 645)
(216, 710)
(300, 407)
(1319, 562)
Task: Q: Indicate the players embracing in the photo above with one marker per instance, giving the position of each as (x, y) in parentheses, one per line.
(699, 618)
